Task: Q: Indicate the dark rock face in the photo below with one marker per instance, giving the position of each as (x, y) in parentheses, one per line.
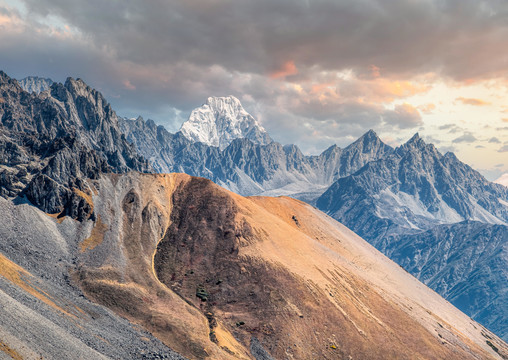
(50, 141)
(404, 204)
(248, 168)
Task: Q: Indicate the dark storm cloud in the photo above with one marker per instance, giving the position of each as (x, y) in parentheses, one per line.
(459, 37)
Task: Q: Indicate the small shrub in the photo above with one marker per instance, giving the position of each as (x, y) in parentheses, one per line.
(202, 293)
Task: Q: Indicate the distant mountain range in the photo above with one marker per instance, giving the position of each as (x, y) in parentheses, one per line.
(431, 213)
(429, 187)
(250, 168)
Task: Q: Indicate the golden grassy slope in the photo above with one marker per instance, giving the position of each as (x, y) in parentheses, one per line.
(272, 269)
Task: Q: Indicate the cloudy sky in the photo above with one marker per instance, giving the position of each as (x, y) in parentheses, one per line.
(314, 72)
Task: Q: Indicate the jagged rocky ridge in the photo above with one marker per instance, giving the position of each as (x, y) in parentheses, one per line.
(35, 84)
(51, 141)
(414, 188)
(248, 168)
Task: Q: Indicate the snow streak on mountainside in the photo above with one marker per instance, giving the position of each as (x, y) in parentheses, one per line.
(35, 84)
(221, 120)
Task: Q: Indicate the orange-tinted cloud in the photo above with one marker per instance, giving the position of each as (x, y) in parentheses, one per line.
(505, 120)
(10, 21)
(382, 90)
(405, 116)
(128, 85)
(402, 88)
(427, 108)
(289, 68)
(375, 71)
(472, 101)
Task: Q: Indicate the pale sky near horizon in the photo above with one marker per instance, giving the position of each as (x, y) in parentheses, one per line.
(314, 72)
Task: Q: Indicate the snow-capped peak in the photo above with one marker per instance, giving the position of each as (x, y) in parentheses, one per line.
(221, 120)
(35, 84)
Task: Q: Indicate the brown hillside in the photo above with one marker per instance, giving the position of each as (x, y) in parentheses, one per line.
(215, 275)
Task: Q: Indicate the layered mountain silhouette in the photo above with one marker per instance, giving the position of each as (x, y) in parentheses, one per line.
(250, 168)
(101, 260)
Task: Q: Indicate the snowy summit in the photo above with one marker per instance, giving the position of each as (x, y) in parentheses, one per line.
(220, 121)
(35, 84)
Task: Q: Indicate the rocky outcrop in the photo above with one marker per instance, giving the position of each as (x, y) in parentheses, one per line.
(43, 313)
(50, 142)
